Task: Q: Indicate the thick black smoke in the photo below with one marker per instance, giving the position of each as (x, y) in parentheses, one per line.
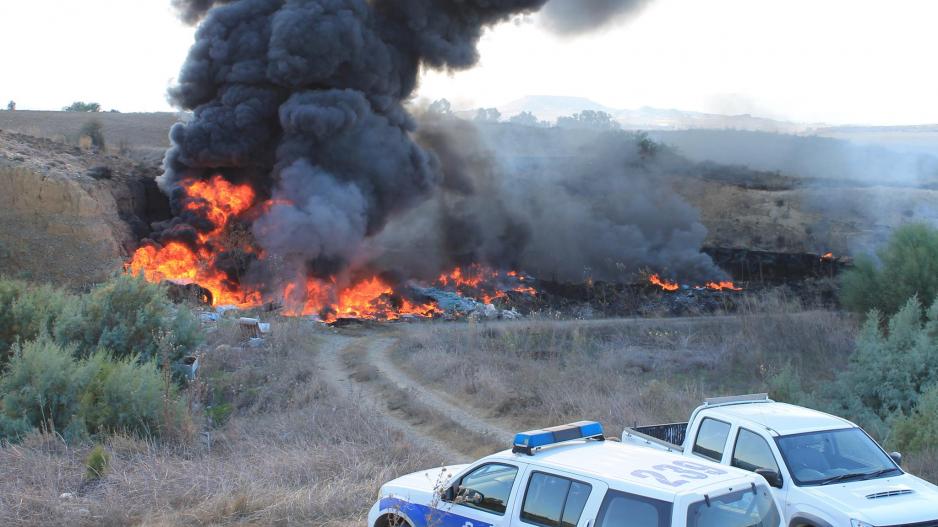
(579, 16)
(303, 98)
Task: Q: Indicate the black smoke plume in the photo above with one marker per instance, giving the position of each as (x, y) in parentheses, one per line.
(304, 100)
(579, 16)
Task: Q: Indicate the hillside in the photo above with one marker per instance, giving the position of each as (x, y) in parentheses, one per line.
(68, 215)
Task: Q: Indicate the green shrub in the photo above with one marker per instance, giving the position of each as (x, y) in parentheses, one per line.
(128, 316)
(41, 387)
(26, 312)
(45, 387)
(908, 266)
(96, 463)
(890, 369)
(918, 431)
(123, 396)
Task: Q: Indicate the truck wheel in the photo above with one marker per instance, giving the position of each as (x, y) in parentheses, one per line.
(391, 520)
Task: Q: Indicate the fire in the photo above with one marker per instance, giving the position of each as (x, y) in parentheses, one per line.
(674, 286)
(720, 286)
(827, 257)
(663, 284)
(220, 203)
(485, 283)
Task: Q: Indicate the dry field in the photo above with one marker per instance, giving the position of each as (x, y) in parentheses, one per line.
(303, 431)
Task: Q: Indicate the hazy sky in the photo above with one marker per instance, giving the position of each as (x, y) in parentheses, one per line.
(838, 61)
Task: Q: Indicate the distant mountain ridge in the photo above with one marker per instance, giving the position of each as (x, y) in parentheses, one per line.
(550, 107)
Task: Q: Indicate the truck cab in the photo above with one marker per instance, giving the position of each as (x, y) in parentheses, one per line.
(569, 476)
(825, 471)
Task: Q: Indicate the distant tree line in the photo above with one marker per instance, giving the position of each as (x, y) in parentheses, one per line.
(79, 106)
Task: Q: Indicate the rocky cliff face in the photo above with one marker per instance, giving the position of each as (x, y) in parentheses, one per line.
(68, 215)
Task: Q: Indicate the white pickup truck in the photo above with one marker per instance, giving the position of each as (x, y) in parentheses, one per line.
(825, 471)
(569, 476)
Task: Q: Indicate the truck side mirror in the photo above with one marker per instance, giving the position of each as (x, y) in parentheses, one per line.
(897, 457)
(773, 478)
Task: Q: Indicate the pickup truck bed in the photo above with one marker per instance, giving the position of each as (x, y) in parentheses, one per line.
(666, 437)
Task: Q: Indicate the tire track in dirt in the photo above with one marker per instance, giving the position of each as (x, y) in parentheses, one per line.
(339, 378)
(379, 356)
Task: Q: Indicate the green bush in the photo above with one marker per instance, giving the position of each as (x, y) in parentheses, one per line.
(41, 387)
(46, 388)
(908, 266)
(123, 396)
(918, 431)
(96, 463)
(128, 316)
(26, 312)
(890, 369)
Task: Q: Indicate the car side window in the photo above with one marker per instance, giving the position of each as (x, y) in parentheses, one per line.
(554, 501)
(620, 509)
(752, 452)
(487, 488)
(711, 439)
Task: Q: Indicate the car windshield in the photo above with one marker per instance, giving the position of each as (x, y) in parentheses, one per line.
(833, 456)
(752, 507)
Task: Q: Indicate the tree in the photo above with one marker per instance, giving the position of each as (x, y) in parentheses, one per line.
(79, 106)
(11, 106)
(488, 115)
(525, 119)
(907, 266)
(596, 120)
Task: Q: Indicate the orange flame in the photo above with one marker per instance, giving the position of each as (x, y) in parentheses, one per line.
(220, 202)
(721, 286)
(827, 257)
(663, 284)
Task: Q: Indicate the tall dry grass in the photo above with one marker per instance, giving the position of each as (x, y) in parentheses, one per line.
(623, 372)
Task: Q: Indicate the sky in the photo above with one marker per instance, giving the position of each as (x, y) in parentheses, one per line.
(832, 61)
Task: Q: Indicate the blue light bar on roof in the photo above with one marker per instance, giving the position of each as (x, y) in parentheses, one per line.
(526, 442)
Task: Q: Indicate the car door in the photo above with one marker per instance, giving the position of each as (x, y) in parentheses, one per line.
(554, 498)
(752, 451)
(482, 497)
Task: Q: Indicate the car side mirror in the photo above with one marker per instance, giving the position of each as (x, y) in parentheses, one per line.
(448, 494)
(474, 497)
(773, 478)
(897, 457)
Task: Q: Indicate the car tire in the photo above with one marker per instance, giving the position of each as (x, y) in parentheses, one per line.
(391, 520)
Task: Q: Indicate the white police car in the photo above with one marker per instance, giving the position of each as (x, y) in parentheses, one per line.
(569, 476)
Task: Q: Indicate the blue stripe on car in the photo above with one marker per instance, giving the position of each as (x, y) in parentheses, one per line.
(424, 516)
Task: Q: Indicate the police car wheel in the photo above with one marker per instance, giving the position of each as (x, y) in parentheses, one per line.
(391, 520)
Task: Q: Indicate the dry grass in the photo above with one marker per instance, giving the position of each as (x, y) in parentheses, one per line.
(292, 453)
(620, 372)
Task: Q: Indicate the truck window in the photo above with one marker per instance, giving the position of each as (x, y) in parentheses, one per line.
(752, 452)
(620, 509)
(553, 501)
(752, 507)
(494, 482)
(711, 439)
